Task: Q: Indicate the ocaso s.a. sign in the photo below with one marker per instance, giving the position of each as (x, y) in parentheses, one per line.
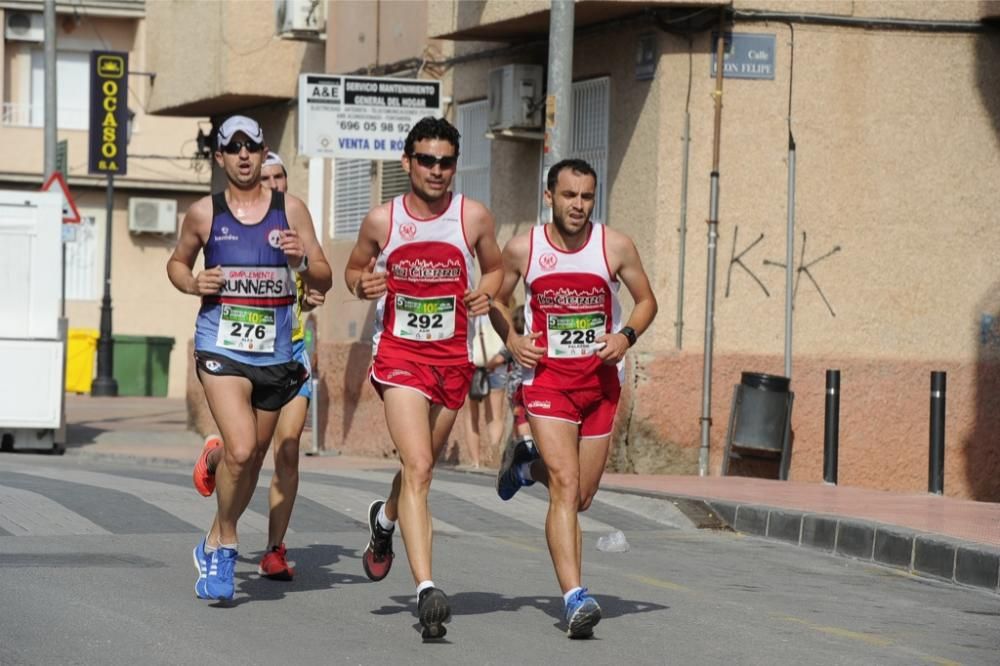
(108, 112)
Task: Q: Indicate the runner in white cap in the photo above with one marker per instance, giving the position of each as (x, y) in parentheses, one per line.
(254, 240)
(285, 481)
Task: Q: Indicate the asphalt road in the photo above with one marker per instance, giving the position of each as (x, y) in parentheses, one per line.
(95, 568)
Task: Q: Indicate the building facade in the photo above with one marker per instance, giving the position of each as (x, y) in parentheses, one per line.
(163, 175)
(895, 112)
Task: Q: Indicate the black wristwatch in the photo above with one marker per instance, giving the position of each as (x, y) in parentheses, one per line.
(629, 334)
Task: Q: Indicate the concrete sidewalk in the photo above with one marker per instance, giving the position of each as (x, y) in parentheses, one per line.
(941, 537)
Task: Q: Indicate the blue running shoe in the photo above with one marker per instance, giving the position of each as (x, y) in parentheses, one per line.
(201, 563)
(582, 614)
(219, 581)
(509, 481)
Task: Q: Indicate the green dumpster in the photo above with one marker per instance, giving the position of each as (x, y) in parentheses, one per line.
(142, 364)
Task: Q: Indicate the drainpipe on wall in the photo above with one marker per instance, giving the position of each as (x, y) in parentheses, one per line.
(790, 230)
(713, 237)
(682, 231)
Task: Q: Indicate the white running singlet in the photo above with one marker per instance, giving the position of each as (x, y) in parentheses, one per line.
(422, 317)
(572, 299)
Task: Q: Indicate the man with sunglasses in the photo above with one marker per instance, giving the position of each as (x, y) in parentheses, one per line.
(415, 255)
(571, 351)
(291, 420)
(255, 240)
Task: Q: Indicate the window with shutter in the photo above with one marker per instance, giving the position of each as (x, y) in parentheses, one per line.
(588, 140)
(395, 181)
(473, 176)
(352, 196)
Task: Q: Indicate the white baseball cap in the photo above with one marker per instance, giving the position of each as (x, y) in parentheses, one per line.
(235, 124)
(273, 159)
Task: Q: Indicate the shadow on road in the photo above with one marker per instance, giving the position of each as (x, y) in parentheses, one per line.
(478, 603)
(312, 573)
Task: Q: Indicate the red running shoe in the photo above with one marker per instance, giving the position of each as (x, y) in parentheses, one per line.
(204, 479)
(377, 558)
(274, 565)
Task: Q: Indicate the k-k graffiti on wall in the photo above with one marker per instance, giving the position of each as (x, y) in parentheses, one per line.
(803, 268)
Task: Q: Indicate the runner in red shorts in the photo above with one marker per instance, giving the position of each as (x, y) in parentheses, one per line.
(572, 354)
(415, 255)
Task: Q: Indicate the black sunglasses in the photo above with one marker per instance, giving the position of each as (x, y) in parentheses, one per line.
(428, 161)
(234, 147)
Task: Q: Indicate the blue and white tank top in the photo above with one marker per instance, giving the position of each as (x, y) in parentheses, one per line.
(251, 319)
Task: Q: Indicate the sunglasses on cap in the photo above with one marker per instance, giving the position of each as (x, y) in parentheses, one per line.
(428, 161)
(234, 147)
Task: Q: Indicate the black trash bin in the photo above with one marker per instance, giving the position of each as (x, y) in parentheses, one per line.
(759, 422)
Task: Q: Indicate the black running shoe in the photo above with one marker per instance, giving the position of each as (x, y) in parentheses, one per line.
(514, 454)
(433, 611)
(377, 558)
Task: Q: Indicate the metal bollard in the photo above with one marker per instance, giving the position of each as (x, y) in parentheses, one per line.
(935, 466)
(831, 427)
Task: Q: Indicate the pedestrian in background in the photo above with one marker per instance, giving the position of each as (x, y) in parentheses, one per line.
(488, 353)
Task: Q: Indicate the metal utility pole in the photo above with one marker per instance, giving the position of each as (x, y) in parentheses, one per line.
(559, 96)
(51, 139)
(51, 117)
(713, 238)
(790, 256)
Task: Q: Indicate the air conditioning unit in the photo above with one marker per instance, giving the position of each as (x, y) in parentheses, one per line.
(516, 97)
(24, 27)
(300, 18)
(152, 216)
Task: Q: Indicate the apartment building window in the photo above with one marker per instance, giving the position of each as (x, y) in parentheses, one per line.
(473, 176)
(589, 140)
(352, 196)
(25, 106)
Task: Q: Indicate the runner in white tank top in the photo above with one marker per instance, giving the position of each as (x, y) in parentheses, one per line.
(428, 265)
(414, 255)
(573, 349)
(570, 298)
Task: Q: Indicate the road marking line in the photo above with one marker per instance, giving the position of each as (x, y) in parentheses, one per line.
(23, 513)
(870, 639)
(525, 509)
(354, 503)
(182, 503)
(657, 582)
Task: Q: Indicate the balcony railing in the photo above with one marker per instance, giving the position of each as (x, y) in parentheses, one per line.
(32, 115)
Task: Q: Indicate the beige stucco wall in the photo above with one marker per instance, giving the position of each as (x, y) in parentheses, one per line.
(363, 34)
(213, 57)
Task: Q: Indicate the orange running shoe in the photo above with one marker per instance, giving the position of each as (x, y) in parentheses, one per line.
(274, 565)
(204, 479)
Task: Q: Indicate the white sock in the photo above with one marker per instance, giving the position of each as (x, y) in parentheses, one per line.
(423, 586)
(383, 520)
(570, 594)
(209, 549)
(524, 471)
(230, 546)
